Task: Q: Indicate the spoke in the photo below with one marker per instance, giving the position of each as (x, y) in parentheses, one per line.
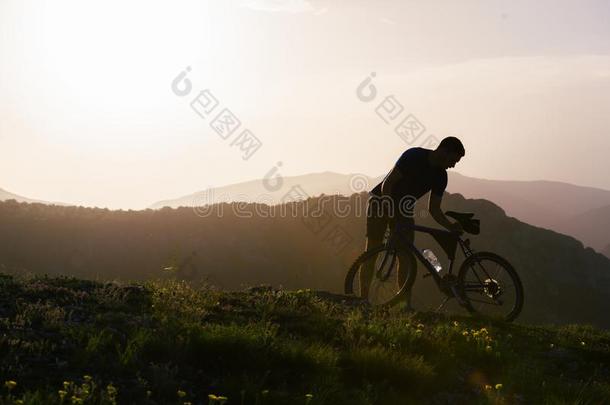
(484, 302)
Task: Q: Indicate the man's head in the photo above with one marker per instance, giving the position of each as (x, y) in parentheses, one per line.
(449, 152)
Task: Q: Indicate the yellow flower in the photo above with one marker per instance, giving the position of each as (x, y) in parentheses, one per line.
(87, 377)
(111, 390)
(483, 330)
(498, 386)
(62, 393)
(66, 384)
(456, 323)
(551, 345)
(488, 387)
(465, 333)
(213, 397)
(10, 384)
(18, 402)
(582, 343)
(418, 331)
(420, 325)
(488, 348)
(308, 396)
(181, 393)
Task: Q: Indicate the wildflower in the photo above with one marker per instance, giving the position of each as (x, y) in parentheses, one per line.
(76, 400)
(62, 394)
(488, 348)
(582, 343)
(483, 330)
(265, 392)
(418, 331)
(87, 377)
(148, 393)
(18, 402)
(181, 393)
(498, 386)
(213, 397)
(420, 326)
(10, 384)
(465, 333)
(66, 384)
(456, 323)
(488, 387)
(551, 345)
(111, 390)
(308, 398)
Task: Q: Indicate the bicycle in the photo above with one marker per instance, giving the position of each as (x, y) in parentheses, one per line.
(474, 287)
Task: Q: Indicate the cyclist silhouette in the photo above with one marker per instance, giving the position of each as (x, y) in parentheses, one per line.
(417, 172)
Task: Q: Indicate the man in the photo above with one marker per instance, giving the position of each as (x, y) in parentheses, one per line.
(417, 172)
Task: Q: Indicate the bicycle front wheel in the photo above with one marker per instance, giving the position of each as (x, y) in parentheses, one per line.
(380, 277)
(490, 286)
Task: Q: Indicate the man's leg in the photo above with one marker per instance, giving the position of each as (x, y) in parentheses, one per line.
(376, 224)
(406, 259)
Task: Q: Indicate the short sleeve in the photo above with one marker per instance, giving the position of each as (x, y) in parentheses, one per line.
(439, 186)
(407, 160)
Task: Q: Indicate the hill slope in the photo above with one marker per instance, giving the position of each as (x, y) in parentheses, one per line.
(166, 342)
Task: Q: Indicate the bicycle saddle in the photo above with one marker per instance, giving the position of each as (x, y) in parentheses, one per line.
(470, 224)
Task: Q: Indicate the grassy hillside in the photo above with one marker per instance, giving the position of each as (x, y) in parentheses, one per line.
(74, 341)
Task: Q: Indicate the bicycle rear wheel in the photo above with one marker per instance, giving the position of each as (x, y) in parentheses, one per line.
(490, 286)
(389, 278)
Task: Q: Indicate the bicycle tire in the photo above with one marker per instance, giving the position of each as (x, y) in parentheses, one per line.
(354, 270)
(493, 257)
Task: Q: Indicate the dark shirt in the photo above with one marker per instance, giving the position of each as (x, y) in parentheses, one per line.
(419, 176)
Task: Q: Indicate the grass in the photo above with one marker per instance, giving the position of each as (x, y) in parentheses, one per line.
(69, 341)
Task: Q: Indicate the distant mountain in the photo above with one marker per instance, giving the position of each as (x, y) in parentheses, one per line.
(5, 195)
(540, 202)
(591, 227)
(312, 185)
(562, 207)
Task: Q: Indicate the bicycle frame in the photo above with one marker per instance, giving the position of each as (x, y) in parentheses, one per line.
(463, 243)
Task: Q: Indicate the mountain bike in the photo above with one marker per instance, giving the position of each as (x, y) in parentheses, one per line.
(486, 284)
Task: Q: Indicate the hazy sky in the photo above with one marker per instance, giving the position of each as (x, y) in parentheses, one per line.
(88, 115)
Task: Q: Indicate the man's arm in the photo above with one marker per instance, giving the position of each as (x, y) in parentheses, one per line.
(434, 206)
(389, 182)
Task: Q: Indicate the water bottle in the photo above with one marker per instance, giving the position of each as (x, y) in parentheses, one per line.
(431, 257)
